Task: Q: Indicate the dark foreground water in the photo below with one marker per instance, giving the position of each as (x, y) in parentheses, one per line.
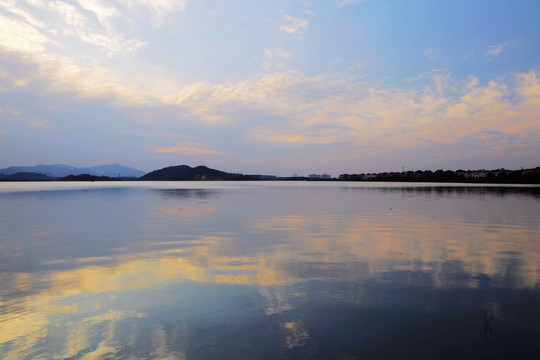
(268, 270)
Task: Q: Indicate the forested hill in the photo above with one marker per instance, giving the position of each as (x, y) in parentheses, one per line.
(187, 173)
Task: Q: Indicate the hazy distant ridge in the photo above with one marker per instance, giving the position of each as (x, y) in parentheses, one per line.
(60, 170)
(25, 176)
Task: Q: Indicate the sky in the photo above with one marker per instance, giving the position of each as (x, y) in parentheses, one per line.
(271, 87)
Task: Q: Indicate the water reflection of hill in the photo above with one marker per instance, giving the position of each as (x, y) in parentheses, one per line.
(451, 189)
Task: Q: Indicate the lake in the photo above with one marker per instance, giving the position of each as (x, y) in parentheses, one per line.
(267, 270)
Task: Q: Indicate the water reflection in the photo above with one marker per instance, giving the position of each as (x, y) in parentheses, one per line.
(261, 271)
(452, 189)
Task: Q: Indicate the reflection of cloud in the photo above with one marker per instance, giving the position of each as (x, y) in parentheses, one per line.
(187, 212)
(276, 301)
(99, 329)
(297, 334)
(24, 331)
(286, 223)
(366, 243)
(161, 349)
(331, 240)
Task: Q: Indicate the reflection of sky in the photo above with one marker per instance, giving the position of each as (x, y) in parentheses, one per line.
(87, 267)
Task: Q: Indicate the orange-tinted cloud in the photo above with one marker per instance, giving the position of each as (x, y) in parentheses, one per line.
(189, 150)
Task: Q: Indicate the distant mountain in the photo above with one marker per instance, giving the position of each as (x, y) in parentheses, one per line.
(25, 176)
(113, 170)
(59, 171)
(187, 173)
(54, 170)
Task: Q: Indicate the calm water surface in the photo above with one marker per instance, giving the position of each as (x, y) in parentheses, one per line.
(213, 270)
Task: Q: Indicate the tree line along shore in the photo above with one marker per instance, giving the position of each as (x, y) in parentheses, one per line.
(522, 176)
(203, 173)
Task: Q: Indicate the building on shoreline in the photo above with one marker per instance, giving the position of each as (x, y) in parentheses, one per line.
(317, 176)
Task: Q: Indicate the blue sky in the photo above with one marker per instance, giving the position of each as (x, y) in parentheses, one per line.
(277, 87)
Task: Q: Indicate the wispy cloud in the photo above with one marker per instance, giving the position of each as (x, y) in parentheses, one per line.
(35, 26)
(65, 23)
(494, 50)
(158, 10)
(280, 53)
(292, 107)
(275, 58)
(17, 35)
(432, 53)
(349, 2)
(189, 149)
(294, 26)
(278, 108)
(330, 109)
(105, 12)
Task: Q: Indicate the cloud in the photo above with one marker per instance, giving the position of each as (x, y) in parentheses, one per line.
(293, 108)
(350, 2)
(338, 109)
(38, 28)
(104, 12)
(275, 58)
(49, 74)
(11, 6)
(189, 149)
(432, 53)
(278, 53)
(298, 135)
(528, 86)
(281, 108)
(265, 135)
(157, 9)
(295, 26)
(494, 50)
(78, 26)
(17, 35)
